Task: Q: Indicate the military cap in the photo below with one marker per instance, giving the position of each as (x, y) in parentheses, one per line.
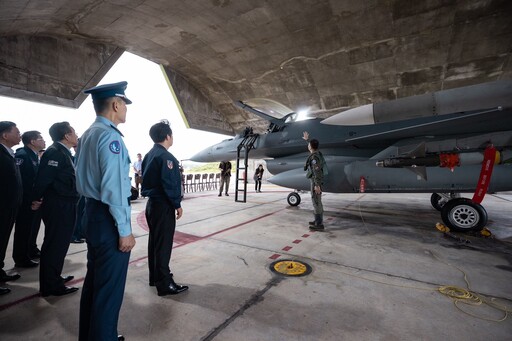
(109, 90)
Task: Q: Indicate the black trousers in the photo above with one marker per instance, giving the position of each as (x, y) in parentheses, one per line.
(7, 217)
(25, 220)
(36, 224)
(161, 219)
(59, 220)
(107, 267)
(257, 185)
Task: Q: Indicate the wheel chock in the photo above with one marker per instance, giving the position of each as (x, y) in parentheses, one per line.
(442, 228)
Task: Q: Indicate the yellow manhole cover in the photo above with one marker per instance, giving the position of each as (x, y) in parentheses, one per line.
(290, 268)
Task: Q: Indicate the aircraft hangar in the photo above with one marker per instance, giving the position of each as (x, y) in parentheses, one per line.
(321, 55)
(379, 269)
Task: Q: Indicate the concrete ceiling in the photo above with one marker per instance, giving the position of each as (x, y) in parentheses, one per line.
(325, 55)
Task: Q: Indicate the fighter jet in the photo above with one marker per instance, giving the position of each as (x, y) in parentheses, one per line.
(445, 143)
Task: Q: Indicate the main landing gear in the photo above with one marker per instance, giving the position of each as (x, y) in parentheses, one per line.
(459, 214)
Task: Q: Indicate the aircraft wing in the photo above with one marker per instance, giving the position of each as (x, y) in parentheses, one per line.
(496, 119)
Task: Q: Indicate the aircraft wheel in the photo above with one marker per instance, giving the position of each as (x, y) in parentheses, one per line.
(293, 199)
(437, 201)
(464, 215)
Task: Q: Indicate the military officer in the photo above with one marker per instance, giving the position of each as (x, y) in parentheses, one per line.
(10, 182)
(106, 186)
(55, 190)
(161, 182)
(27, 159)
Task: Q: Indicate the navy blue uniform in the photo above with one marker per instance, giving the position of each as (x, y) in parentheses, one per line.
(10, 200)
(56, 185)
(27, 220)
(161, 182)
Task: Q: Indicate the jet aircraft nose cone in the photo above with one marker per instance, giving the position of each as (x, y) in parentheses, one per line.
(204, 155)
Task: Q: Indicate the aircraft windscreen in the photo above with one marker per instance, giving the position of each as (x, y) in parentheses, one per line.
(269, 107)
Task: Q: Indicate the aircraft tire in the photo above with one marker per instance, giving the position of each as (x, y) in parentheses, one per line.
(437, 202)
(293, 199)
(463, 215)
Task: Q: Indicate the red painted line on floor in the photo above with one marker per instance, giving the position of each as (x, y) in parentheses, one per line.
(141, 221)
(305, 235)
(296, 241)
(244, 223)
(21, 300)
(287, 248)
(185, 238)
(275, 256)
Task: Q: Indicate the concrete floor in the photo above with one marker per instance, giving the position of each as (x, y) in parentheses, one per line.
(376, 269)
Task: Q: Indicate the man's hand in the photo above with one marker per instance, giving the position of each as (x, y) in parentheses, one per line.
(179, 213)
(305, 136)
(36, 204)
(127, 243)
(318, 190)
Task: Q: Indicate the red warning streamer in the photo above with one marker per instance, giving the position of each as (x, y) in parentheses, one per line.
(485, 174)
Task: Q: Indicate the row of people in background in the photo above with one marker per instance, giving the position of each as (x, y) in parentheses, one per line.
(225, 177)
(27, 181)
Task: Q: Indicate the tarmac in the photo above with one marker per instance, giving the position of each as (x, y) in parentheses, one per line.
(375, 274)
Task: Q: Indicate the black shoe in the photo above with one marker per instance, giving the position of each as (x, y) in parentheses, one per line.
(77, 241)
(120, 338)
(220, 194)
(173, 289)
(60, 292)
(67, 278)
(36, 254)
(314, 227)
(227, 195)
(6, 278)
(4, 291)
(26, 264)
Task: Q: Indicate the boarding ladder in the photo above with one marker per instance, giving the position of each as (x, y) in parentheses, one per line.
(243, 153)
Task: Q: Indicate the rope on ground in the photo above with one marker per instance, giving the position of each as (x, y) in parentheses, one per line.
(469, 298)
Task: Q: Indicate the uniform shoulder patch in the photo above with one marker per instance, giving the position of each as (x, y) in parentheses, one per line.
(115, 147)
(170, 164)
(53, 163)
